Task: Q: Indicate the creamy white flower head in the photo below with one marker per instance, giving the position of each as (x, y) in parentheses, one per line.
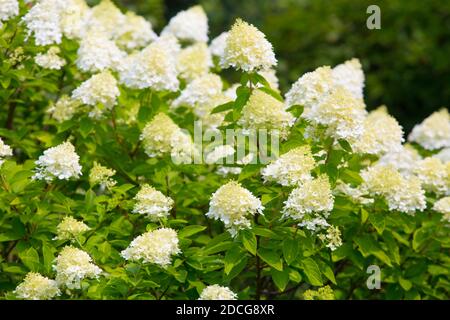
(8, 9)
(50, 59)
(75, 17)
(332, 238)
(262, 111)
(434, 132)
(136, 32)
(443, 155)
(203, 111)
(233, 204)
(158, 134)
(216, 292)
(157, 246)
(432, 172)
(247, 49)
(310, 88)
(231, 91)
(341, 113)
(194, 61)
(100, 91)
(382, 134)
(271, 77)
(404, 160)
(97, 53)
(355, 193)
(37, 287)
(312, 201)
(70, 228)
(154, 67)
(108, 19)
(189, 25)
(64, 108)
(43, 21)
(100, 175)
(5, 151)
(217, 46)
(60, 162)
(351, 76)
(291, 168)
(219, 153)
(443, 206)
(183, 150)
(73, 265)
(152, 203)
(401, 193)
(199, 91)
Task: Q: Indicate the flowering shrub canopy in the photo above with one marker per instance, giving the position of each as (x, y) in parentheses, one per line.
(108, 193)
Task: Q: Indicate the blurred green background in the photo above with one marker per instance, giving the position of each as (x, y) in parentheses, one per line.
(407, 62)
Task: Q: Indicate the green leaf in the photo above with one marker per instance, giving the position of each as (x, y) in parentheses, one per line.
(296, 110)
(280, 278)
(271, 92)
(405, 284)
(420, 236)
(291, 250)
(378, 220)
(345, 145)
(86, 127)
(249, 241)
(223, 107)
(364, 215)
(30, 259)
(312, 271)
(271, 258)
(267, 233)
(232, 258)
(190, 230)
(47, 253)
(368, 246)
(327, 271)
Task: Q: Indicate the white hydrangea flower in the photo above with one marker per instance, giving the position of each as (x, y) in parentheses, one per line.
(247, 49)
(102, 176)
(101, 89)
(218, 154)
(351, 76)
(37, 287)
(107, 19)
(217, 46)
(75, 18)
(136, 32)
(64, 108)
(43, 21)
(434, 132)
(199, 91)
(189, 25)
(332, 238)
(73, 265)
(154, 67)
(8, 9)
(233, 204)
(310, 203)
(216, 292)
(152, 203)
(404, 160)
(310, 88)
(291, 168)
(382, 134)
(443, 206)
(60, 162)
(403, 194)
(433, 174)
(355, 193)
(203, 111)
(50, 59)
(271, 77)
(194, 61)
(262, 111)
(342, 114)
(70, 228)
(5, 151)
(97, 53)
(157, 246)
(443, 155)
(231, 91)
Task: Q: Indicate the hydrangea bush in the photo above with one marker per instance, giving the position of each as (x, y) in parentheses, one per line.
(100, 197)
